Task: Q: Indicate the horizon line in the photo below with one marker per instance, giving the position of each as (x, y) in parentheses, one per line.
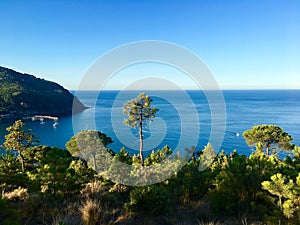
(260, 89)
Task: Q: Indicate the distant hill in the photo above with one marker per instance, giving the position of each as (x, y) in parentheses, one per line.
(26, 95)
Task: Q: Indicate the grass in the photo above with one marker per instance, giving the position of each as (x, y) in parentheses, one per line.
(17, 194)
(91, 212)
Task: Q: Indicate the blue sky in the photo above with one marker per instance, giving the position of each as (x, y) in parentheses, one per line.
(246, 44)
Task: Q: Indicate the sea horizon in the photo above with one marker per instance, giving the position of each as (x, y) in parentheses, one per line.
(271, 89)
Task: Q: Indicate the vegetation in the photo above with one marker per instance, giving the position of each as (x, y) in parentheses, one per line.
(139, 113)
(19, 140)
(57, 186)
(271, 137)
(24, 95)
(90, 145)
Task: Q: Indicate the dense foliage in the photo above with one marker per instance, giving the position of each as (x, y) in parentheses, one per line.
(23, 94)
(19, 140)
(57, 187)
(272, 138)
(89, 145)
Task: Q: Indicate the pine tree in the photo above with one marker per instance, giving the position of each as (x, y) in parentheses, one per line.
(139, 113)
(269, 136)
(19, 140)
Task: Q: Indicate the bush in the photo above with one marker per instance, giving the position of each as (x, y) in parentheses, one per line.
(8, 216)
(151, 199)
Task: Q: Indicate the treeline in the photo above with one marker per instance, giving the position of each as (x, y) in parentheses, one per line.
(48, 185)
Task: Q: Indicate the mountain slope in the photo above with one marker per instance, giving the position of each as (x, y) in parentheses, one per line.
(25, 95)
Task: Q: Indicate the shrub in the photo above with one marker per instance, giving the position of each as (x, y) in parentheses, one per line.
(151, 199)
(8, 216)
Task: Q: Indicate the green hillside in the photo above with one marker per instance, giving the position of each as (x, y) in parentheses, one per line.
(25, 95)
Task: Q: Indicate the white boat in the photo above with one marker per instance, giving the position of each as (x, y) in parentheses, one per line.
(55, 124)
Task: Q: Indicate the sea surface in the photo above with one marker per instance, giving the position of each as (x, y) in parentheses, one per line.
(185, 118)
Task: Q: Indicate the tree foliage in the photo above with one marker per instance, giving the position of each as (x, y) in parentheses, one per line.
(287, 191)
(90, 145)
(19, 140)
(271, 137)
(11, 175)
(58, 173)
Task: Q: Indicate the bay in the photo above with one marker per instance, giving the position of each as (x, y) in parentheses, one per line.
(188, 111)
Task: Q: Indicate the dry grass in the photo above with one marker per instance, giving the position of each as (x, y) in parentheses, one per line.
(91, 189)
(17, 194)
(230, 222)
(211, 223)
(91, 212)
(69, 215)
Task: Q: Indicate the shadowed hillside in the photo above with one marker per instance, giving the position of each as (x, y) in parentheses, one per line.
(24, 95)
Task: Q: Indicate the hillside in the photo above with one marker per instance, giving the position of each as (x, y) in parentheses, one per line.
(25, 95)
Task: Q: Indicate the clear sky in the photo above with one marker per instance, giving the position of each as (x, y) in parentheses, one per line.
(249, 44)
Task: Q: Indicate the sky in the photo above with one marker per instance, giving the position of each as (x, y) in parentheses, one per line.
(250, 44)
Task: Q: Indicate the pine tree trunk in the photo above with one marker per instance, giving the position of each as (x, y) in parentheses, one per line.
(141, 139)
(22, 162)
(267, 150)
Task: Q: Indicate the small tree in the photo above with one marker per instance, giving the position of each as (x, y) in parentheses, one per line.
(19, 140)
(271, 137)
(139, 113)
(89, 144)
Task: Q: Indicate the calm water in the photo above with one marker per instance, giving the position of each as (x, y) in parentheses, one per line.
(176, 114)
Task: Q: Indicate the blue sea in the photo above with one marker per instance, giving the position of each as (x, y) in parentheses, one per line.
(184, 119)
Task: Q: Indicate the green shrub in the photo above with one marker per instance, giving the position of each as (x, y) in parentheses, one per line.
(8, 216)
(151, 199)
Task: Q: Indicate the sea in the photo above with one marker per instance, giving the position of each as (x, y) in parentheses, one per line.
(184, 119)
